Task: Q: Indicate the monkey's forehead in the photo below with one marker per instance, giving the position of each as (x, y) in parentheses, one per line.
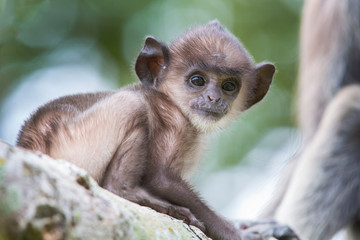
(219, 47)
(208, 57)
(219, 69)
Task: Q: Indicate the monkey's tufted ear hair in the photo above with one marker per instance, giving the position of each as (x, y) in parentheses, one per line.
(264, 73)
(215, 24)
(152, 61)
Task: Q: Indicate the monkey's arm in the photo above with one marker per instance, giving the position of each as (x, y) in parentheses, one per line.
(323, 196)
(171, 187)
(125, 173)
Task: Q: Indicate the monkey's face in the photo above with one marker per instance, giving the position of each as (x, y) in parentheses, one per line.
(211, 96)
(209, 82)
(208, 94)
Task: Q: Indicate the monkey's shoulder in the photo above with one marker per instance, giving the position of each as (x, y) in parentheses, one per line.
(158, 106)
(148, 97)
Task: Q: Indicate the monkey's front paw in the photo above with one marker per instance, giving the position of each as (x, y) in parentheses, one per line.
(269, 229)
(185, 215)
(283, 232)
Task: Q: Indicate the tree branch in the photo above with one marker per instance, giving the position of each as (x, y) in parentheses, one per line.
(43, 198)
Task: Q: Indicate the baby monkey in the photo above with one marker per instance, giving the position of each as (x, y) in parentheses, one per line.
(142, 141)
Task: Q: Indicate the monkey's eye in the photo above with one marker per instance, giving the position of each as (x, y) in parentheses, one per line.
(229, 86)
(197, 81)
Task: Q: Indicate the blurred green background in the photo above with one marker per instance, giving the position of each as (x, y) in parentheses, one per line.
(103, 38)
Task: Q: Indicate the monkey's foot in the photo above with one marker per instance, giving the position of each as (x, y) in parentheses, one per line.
(268, 229)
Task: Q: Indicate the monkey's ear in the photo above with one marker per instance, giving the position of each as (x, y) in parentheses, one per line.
(264, 73)
(151, 62)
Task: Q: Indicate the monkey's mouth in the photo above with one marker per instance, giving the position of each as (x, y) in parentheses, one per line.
(212, 113)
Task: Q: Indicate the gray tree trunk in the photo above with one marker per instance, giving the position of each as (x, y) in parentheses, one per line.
(42, 198)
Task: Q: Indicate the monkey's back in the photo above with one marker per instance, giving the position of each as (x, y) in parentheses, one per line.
(37, 131)
(83, 129)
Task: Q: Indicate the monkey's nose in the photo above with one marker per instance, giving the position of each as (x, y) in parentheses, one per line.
(213, 98)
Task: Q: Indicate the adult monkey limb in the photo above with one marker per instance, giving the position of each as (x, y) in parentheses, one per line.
(141, 141)
(322, 193)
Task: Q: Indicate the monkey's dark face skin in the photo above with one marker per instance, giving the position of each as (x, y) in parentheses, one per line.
(210, 88)
(212, 94)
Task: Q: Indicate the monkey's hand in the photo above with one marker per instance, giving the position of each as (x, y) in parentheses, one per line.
(185, 215)
(268, 230)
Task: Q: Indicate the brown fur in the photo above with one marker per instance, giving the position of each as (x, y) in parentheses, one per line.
(142, 141)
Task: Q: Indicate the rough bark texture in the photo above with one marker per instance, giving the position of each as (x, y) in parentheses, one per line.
(42, 198)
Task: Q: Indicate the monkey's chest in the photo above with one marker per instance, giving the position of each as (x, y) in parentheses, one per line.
(186, 158)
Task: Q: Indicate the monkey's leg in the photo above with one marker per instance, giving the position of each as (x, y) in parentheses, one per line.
(323, 196)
